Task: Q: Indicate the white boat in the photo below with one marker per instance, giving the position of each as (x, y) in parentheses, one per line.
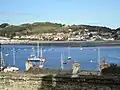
(44, 50)
(35, 61)
(91, 61)
(81, 49)
(6, 54)
(13, 67)
(8, 68)
(25, 49)
(69, 57)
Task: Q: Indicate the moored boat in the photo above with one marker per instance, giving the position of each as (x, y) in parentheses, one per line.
(12, 68)
(35, 62)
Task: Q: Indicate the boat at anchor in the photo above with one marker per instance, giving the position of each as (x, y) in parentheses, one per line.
(36, 61)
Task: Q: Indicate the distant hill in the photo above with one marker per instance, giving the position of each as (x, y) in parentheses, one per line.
(97, 28)
(8, 30)
(34, 28)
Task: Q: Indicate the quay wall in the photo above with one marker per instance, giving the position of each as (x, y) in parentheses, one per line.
(64, 43)
(18, 81)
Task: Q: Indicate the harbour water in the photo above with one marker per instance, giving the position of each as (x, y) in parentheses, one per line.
(86, 56)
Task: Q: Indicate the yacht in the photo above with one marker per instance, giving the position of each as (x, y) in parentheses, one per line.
(11, 68)
(7, 53)
(8, 68)
(64, 62)
(35, 61)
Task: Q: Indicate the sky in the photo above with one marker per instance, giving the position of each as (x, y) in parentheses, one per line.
(88, 12)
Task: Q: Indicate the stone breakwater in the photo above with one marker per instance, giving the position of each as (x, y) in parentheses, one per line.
(23, 81)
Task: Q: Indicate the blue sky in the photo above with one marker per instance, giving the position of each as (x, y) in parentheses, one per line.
(92, 12)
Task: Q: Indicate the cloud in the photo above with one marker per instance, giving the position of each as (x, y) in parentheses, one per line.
(13, 13)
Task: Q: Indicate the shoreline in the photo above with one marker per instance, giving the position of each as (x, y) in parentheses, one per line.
(62, 43)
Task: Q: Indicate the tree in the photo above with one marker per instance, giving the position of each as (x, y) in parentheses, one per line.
(4, 25)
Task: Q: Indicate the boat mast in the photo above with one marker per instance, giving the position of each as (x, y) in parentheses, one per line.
(41, 52)
(1, 54)
(33, 54)
(98, 58)
(13, 56)
(62, 61)
(38, 49)
(2, 62)
(68, 51)
(51, 46)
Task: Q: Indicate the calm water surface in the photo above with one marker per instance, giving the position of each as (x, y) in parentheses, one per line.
(86, 56)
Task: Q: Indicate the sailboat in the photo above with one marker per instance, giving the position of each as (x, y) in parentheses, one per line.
(81, 48)
(7, 54)
(64, 62)
(69, 57)
(36, 61)
(13, 67)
